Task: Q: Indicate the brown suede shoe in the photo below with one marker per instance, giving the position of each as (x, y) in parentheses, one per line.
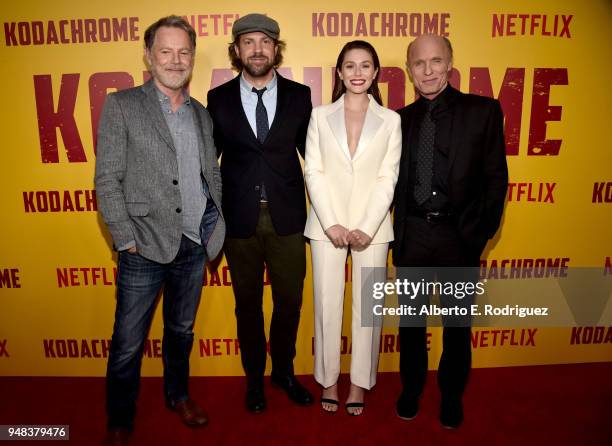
(190, 413)
(117, 437)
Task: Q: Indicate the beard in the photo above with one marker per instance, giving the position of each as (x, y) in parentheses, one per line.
(173, 80)
(258, 70)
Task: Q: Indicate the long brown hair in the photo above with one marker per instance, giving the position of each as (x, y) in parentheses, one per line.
(339, 87)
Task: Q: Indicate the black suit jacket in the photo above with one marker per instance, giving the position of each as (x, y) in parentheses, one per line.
(246, 162)
(478, 173)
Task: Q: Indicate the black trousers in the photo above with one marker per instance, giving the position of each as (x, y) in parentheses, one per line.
(434, 245)
(285, 257)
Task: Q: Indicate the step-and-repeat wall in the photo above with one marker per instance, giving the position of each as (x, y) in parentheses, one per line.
(547, 62)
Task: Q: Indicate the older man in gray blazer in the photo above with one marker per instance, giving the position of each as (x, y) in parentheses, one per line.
(159, 191)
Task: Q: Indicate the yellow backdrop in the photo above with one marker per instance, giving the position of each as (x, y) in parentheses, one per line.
(547, 62)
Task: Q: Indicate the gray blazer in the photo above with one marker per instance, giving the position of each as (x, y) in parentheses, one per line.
(135, 168)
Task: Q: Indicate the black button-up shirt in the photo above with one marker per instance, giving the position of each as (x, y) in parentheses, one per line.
(442, 117)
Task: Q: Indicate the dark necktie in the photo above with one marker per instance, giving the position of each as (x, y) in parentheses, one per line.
(425, 157)
(261, 122)
(261, 116)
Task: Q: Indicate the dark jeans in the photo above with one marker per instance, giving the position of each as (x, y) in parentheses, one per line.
(285, 257)
(139, 282)
(434, 245)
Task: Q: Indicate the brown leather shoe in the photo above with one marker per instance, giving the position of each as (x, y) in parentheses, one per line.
(117, 437)
(190, 413)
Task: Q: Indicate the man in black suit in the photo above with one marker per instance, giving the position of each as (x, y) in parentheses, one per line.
(449, 200)
(259, 119)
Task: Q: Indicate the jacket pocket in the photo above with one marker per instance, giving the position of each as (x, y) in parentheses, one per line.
(137, 209)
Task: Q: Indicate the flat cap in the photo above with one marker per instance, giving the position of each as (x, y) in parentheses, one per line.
(251, 23)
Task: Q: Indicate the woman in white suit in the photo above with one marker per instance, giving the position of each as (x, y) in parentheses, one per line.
(352, 159)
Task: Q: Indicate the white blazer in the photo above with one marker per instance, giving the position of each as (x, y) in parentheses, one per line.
(355, 193)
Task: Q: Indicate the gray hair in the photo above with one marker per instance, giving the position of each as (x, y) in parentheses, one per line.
(172, 21)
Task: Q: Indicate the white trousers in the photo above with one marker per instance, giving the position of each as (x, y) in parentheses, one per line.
(328, 264)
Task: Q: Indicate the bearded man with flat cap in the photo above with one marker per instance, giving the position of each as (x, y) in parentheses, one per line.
(449, 200)
(260, 122)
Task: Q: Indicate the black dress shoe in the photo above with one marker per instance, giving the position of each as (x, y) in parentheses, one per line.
(451, 413)
(295, 391)
(255, 399)
(117, 437)
(407, 407)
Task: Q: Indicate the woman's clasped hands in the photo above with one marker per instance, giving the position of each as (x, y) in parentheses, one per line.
(341, 237)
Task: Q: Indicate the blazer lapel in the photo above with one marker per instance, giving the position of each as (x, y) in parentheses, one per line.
(242, 123)
(336, 122)
(455, 137)
(283, 101)
(408, 129)
(200, 135)
(151, 103)
(371, 125)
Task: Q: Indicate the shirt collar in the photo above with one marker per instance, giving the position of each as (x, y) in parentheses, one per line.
(441, 98)
(163, 98)
(246, 85)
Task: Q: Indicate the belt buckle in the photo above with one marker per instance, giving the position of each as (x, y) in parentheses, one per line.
(432, 217)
